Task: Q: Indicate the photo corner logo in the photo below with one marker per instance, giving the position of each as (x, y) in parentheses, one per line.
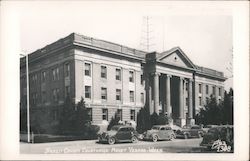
(221, 146)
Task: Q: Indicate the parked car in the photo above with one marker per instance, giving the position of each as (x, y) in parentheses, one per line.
(119, 133)
(159, 132)
(190, 132)
(223, 133)
(175, 128)
(207, 127)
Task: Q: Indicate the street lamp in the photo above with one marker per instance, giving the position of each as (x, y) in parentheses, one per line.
(28, 102)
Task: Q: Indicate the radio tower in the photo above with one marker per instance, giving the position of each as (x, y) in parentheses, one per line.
(146, 35)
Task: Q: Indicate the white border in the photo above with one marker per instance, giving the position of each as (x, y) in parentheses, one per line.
(9, 85)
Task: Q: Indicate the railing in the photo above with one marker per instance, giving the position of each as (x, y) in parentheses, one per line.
(210, 71)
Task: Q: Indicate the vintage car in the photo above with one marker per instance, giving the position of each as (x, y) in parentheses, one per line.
(159, 132)
(119, 133)
(190, 132)
(223, 133)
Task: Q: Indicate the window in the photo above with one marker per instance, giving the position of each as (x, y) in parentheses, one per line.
(199, 88)
(142, 97)
(67, 91)
(131, 76)
(131, 96)
(206, 89)
(104, 93)
(87, 91)
(34, 98)
(132, 115)
(67, 70)
(89, 112)
(43, 75)
(199, 101)
(219, 91)
(55, 94)
(105, 114)
(207, 100)
(103, 72)
(186, 86)
(187, 101)
(117, 74)
(118, 94)
(141, 79)
(34, 78)
(43, 96)
(213, 90)
(55, 73)
(87, 69)
(119, 114)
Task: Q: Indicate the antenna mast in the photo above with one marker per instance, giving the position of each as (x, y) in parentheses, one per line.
(146, 37)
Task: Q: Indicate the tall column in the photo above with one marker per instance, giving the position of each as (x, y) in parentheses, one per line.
(156, 93)
(190, 101)
(181, 107)
(168, 96)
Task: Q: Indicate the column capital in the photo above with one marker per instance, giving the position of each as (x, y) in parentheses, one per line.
(155, 74)
(182, 78)
(169, 76)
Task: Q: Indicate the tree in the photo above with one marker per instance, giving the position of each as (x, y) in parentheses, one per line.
(214, 113)
(114, 121)
(143, 120)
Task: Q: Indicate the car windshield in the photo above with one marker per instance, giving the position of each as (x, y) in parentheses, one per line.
(155, 128)
(115, 128)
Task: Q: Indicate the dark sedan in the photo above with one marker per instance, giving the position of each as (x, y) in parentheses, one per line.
(119, 133)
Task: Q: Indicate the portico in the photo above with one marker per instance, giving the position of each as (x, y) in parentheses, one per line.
(171, 87)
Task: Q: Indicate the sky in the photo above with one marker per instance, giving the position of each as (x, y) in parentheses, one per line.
(204, 33)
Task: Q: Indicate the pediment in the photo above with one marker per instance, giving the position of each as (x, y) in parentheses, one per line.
(176, 57)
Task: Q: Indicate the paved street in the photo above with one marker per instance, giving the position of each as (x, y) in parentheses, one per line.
(92, 146)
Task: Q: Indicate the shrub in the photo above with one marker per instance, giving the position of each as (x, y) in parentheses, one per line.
(114, 121)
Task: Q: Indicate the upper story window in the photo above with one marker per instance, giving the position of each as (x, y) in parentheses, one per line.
(213, 90)
(103, 72)
(55, 94)
(219, 91)
(43, 76)
(34, 78)
(87, 69)
(67, 91)
(132, 96)
(131, 76)
(118, 74)
(87, 91)
(104, 93)
(118, 94)
(55, 74)
(67, 70)
(206, 89)
(142, 97)
(141, 79)
(200, 101)
(199, 88)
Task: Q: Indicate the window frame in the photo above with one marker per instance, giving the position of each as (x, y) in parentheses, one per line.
(118, 75)
(132, 97)
(104, 96)
(105, 113)
(103, 72)
(131, 76)
(87, 72)
(89, 92)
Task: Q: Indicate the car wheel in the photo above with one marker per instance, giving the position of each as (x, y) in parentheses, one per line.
(134, 139)
(154, 138)
(172, 137)
(185, 136)
(111, 140)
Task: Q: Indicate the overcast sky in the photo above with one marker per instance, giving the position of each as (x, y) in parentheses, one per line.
(204, 33)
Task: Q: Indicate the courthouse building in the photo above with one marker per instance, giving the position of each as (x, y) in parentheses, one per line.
(113, 78)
